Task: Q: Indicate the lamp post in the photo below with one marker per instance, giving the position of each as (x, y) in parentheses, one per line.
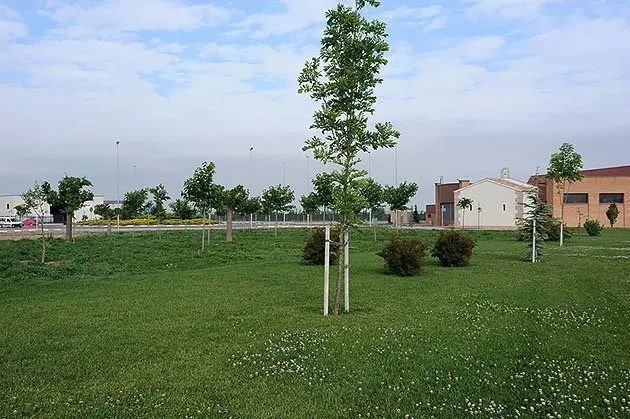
(118, 185)
(308, 185)
(251, 183)
(443, 213)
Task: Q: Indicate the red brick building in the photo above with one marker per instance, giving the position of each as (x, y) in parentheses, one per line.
(445, 202)
(591, 197)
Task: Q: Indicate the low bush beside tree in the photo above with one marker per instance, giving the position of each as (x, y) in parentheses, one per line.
(313, 251)
(453, 249)
(593, 227)
(403, 256)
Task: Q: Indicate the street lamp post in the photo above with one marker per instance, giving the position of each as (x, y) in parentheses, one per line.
(117, 186)
(251, 183)
(308, 185)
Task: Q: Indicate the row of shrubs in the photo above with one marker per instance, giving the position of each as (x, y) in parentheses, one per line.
(403, 256)
(148, 221)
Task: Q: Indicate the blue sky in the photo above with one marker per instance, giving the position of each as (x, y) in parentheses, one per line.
(473, 85)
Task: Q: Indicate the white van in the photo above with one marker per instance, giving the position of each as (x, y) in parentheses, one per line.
(10, 222)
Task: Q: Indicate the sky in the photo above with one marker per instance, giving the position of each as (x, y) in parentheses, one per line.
(472, 85)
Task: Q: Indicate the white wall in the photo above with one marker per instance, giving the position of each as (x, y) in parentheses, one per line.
(491, 197)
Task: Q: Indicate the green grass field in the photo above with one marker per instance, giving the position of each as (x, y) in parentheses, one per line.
(141, 327)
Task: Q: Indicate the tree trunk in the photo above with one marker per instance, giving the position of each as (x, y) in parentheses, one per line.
(203, 233)
(275, 230)
(346, 269)
(43, 241)
(69, 227)
(109, 226)
(339, 281)
(228, 228)
(463, 219)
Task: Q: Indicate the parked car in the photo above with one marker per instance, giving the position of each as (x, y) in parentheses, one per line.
(30, 222)
(10, 222)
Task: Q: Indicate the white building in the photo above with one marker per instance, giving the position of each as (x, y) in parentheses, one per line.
(496, 202)
(9, 202)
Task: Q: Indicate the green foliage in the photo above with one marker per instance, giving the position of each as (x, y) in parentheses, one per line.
(565, 166)
(233, 198)
(397, 197)
(323, 185)
(453, 248)
(612, 213)
(71, 194)
(343, 78)
(416, 215)
(251, 205)
(313, 251)
(105, 211)
(35, 200)
(134, 203)
(593, 227)
(403, 256)
(182, 209)
(310, 203)
(160, 196)
(372, 193)
(200, 189)
(277, 199)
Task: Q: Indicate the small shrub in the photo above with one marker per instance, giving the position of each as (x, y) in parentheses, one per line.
(403, 256)
(453, 248)
(593, 227)
(313, 251)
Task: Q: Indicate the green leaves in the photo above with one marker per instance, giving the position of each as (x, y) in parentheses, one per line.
(277, 199)
(465, 203)
(565, 165)
(72, 193)
(343, 78)
(310, 203)
(199, 189)
(399, 196)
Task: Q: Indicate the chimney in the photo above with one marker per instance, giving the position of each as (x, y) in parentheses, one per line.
(463, 183)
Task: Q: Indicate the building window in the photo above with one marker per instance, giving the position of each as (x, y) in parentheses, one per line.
(576, 198)
(611, 198)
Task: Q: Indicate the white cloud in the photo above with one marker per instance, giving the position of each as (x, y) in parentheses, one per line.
(12, 30)
(411, 13)
(512, 9)
(139, 15)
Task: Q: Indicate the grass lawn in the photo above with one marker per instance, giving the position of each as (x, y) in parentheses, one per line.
(144, 327)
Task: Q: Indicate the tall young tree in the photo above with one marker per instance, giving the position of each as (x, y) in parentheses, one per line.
(182, 209)
(536, 223)
(105, 211)
(397, 197)
(133, 204)
(372, 193)
(232, 200)
(564, 170)
(160, 196)
(200, 190)
(35, 200)
(276, 199)
(71, 194)
(310, 203)
(464, 204)
(342, 78)
(323, 186)
(612, 213)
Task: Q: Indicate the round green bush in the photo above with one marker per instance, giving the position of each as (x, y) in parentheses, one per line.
(593, 227)
(313, 251)
(453, 248)
(403, 256)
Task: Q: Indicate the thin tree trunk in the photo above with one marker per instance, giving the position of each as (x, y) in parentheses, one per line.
(203, 233)
(339, 280)
(463, 219)
(346, 269)
(68, 227)
(275, 230)
(43, 241)
(228, 229)
(109, 226)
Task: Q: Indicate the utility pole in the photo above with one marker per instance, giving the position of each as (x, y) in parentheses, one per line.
(284, 172)
(251, 184)
(118, 185)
